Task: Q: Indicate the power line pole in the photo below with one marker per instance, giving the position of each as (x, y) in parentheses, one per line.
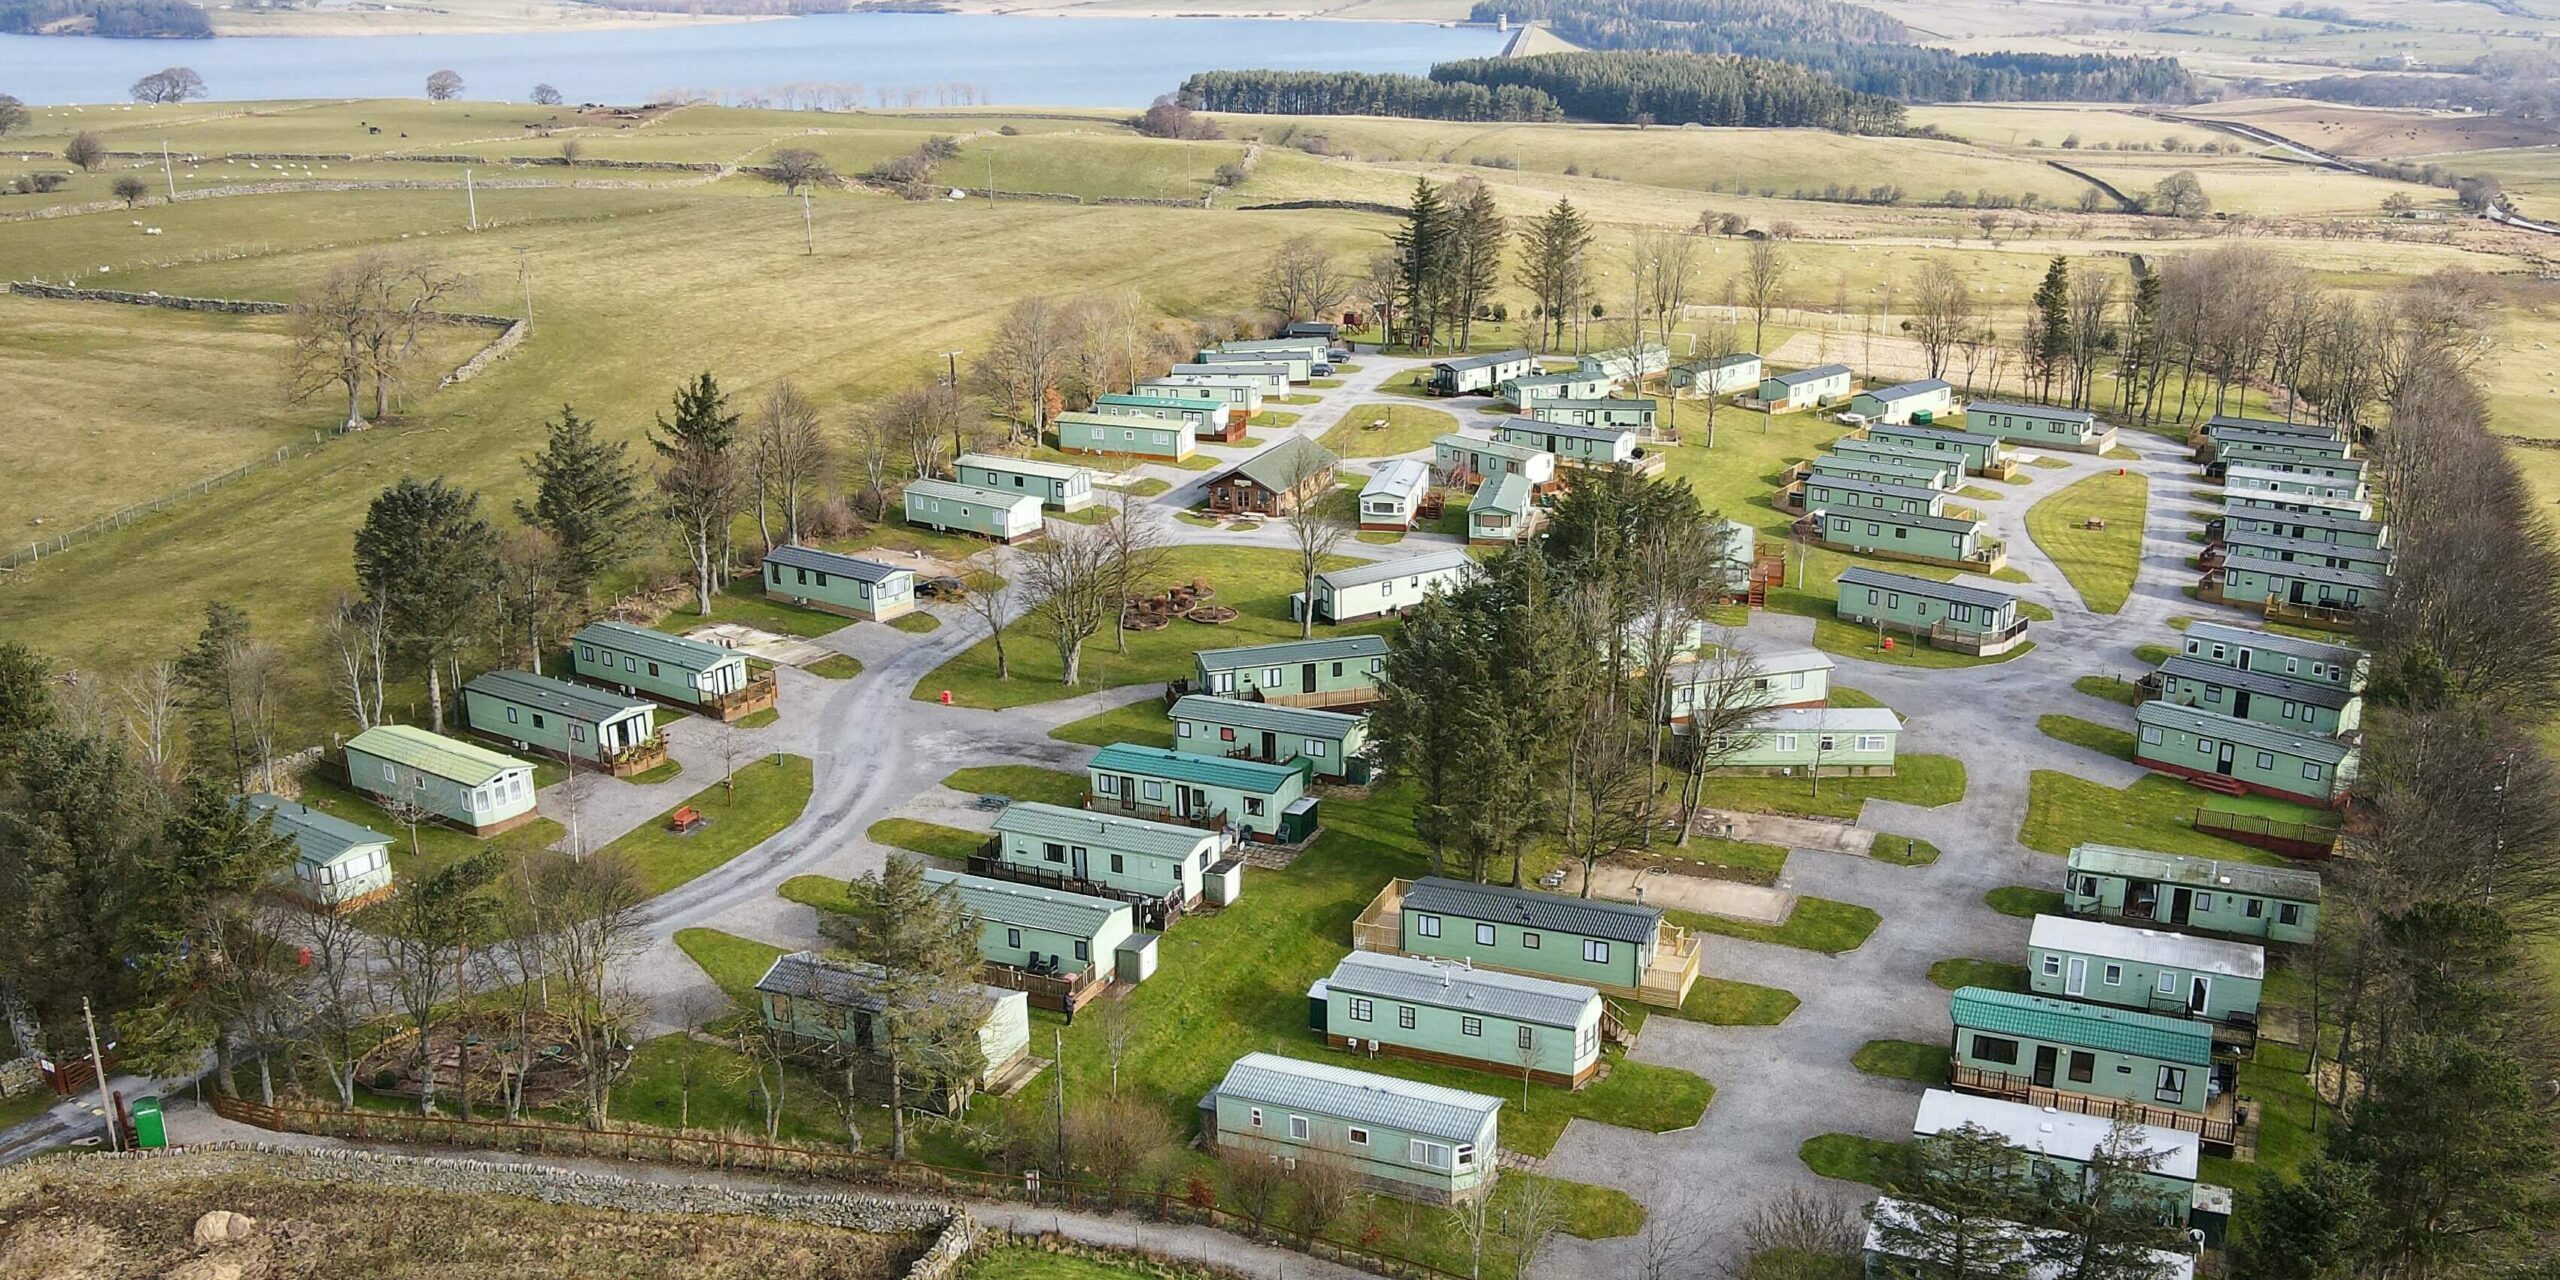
(524, 277)
(166, 172)
(472, 198)
(1058, 1091)
(98, 1065)
(808, 225)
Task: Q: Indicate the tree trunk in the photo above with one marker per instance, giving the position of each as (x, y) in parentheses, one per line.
(355, 387)
(897, 1092)
(435, 697)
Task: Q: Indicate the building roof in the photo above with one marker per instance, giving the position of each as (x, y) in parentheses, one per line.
(1581, 917)
(2267, 426)
(1769, 661)
(1424, 565)
(1892, 464)
(1852, 447)
(952, 491)
(2015, 1243)
(1152, 402)
(2306, 572)
(1853, 484)
(1912, 519)
(2272, 642)
(2304, 546)
(2149, 946)
(1109, 831)
(1304, 721)
(2316, 693)
(2256, 478)
(1028, 906)
(1402, 480)
(1736, 360)
(1320, 1088)
(1961, 593)
(2291, 884)
(2249, 733)
(1912, 431)
(1498, 448)
(2088, 1026)
(2049, 1131)
(1287, 464)
(1448, 984)
(1282, 653)
(1506, 494)
(1208, 771)
(657, 646)
(1906, 390)
(2322, 446)
(319, 838)
(2329, 520)
(577, 701)
(843, 566)
(1646, 403)
(2045, 412)
(435, 755)
(1569, 377)
(1208, 375)
(1247, 367)
(1027, 466)
(1818, 373)
(1285, 342)
(1826, 720)
(1513, 356)
(840, 984)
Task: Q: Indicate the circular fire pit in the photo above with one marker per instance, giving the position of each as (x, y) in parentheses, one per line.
(1212, 615)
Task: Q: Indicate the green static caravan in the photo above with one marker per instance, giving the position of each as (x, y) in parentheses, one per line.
(2237, 480)
(1578, 446)
(1266, 802)
(1807, 388)
(672, 669)
(1843, 495)
(1055, 484)
(2238, 445)
(1224, 392)
(2252, 503)
(1993, 1247)
(1332, 744)
(1273, 376)
(1982, 452)
(808, 998)
(559, 720)
(1318, 346)
(2006, 1044)
(1909, 535)
(2260, 583)
(1328, 671)
(1394, 494)
(1718, 377)
(1629, 363)
(2223, 424)
(2292, 657)
(1076, 848)
(2303, 706)
(2339, 472)
(2148, 969)
(1924, 400)
(2321, 526)
(2249, 544)
(2239, 899)
(1822, 742)
(1767, 678)
(337, 865)
(1517, 392)
(1466, 460)
(471, 787)
(1410, 1140)
(1859, 448)
(1382, 587)
(1038, 930)
(2056, 1148)
(2040, 426)
(1624, 413)
(1738, 543)
(1503, 511)
(1922, 472)
(842, 584)
(1123, 437)
(1617, 947)
(1976, 620)
(1479, 375)
(1203, 419)
(1300, 357)
(989, 513)
(2291, 764)
(1456, 1015)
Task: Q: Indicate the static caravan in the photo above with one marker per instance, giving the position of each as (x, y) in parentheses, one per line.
(1394, 494)
(616, 732)
(2148, 969)
(2239, 899)
(1331, 743)
(1628, 364)
(1460, 1016)
(1627, 413)
(1259, 801)
(2250, 502)
(1204, 420)
(1274, 371)
(2338, 471)
(1948, 540)
(1036, 930)
(2249, 544)
(2041, 427)
(1405, 1139)
(1982, 453)
(1465, 460)
(1720, 377)
(1382, 587)
(966, 508)
(1970, 619)
(1329, 671)
(2222, 424)
(1924, 472)
(1224, 392)
(1925, 400)
(2294, 764)
(1091, 853)
(1301, 356)
(1503, 511)
(1847, 447)
(1123, 437)
(2237, 445)
(1325, 329)
(1055, 484)
(1772, 679)
(1824, 491)
(1317, 346)
(1275, 481)
(1479, 375)
(2303, 706)
(2248, 582)
(1824, 742)
(1999, 1248)
(2008, 1045)
(1577, 385)
(813, 999)
(1807, 388)
(2292, 657)
(337, 865)
(471, 787)
(849, 585)
(2058, 1146)
(2293, 483)
(1577, 446)
(2318, 526)
(1618, 947)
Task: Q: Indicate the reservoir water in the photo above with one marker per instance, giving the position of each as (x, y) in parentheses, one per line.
(1095, 62)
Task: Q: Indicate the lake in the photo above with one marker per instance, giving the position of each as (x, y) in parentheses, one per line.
(1071, 62)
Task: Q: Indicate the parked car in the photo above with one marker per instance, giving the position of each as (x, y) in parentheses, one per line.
(1321, 371)
(948, 589)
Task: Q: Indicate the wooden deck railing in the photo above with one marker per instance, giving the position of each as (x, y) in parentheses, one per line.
(1380, 926)
(2000, 1084)
(2293, 839)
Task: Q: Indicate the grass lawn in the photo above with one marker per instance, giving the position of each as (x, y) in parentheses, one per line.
(2152, 655)
(1851, 640)
(1843, 696)
(2024, 903)
(1408, 428)
(1142, 722)
(1725, 1003)
(734, 963)
(1999, 975)
(1025, 1262)
(921, 623)
(2099, 562)
(927, 838)
(769, 796)
(1903, 1060)
(759, 719)
(664, 771)
(823, 892)
(1379, 537)
(744, 603)
(2106, 740)
(1300, 397)
(1253, 581)
(1902, 851)
(835, 667)
(2274, 1082)
(1980, 494)
(1142, 487)
(2111, 689)
(1853, 1158)
(1745, 860)
(1020, 782)
(1817, 924)
(1276, 417)
(2154, 813)
(2030, 610)
(1925, 780)
(2048, 462)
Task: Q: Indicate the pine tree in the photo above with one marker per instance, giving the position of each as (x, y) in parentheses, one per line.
(2111, 1225)
(925, 946)
(1423, 250)
(1477, 236)
(1554, 258)
(426, 553)
(2053, 324)
(699, 479)
(2310, 1226)
(585, 496)
(1966, 1192)
(204, 670)
(26, 699)
(214, 975)
(71, 835)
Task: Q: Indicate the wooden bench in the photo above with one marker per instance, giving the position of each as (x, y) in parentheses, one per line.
(685, 820)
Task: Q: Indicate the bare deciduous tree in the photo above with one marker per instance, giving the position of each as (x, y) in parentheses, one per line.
(1026, 362)
(1941, 315)
(1316, 529)
(991, 598)
(1071, 576)
(154, 700)
(789, 453)
(1301, 281)
(1764, 285)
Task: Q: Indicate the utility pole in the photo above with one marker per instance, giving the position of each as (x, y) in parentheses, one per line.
(991, 179)
(471, 198)
(808, 225)
(952, 359)
(524, 278)
(167, 173)
(1058, 1091)
(98, 1065)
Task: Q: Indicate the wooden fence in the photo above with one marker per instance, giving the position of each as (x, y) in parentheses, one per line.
(735, 1155)
(2292, 839)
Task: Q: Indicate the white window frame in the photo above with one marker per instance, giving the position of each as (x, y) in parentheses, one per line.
(1595, 950)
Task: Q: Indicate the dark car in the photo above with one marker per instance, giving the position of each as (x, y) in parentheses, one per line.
(944, 588)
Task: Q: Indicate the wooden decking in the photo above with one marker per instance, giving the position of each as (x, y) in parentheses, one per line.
(1380, 926)
(2218, 1125)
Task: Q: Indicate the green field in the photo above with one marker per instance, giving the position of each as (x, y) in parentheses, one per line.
(2100, 562)
(765, 795)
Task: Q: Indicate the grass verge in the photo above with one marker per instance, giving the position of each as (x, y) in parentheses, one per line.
(835, 667)
(2099, 562)
(1020, 782)
(1722, 1002)
(1854, 1158)
(769, 795)
(1407, 428)
(2106, 740)
(930, 838)
(1964, 971)
(1142, 722)
(2111, 689)
(2154, 813)
(1925, 780)
(1902, 851)
(2022, 902)
(1903, 1060)
(1817, 924)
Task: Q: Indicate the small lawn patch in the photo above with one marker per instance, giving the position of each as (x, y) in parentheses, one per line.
(1902, 851)
(769, 795)
(2100, 562)
(1722, 1002)
(839, 666)
(826, 893)
(2047, 462)
(1300, 397)
(1843, 696)
(2033, 612)
(1020, 782)
(1817, 924)
(733, 963)
(2106, 740)
(1903, 1060)
(1979, 494)
(1323, 384)
(1851, 640)
(664, 771)
(2024, 903)
(759, 719)
(1142, 487)
(1925, 780)
(2111, 689)
(2280, 1093)
(1142, 722)
(1408, 428)
(930, 838)
(1961, 971)
(744, 602)
(1746, 860)
(1854, 1158)
(2154, 813)
(921, 623)
(2152, 655)
(1380, 537)
(1276, 417)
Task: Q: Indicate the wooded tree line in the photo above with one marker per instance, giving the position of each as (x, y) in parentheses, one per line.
(1361, 93)
(131, 19)
(1641, 87)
